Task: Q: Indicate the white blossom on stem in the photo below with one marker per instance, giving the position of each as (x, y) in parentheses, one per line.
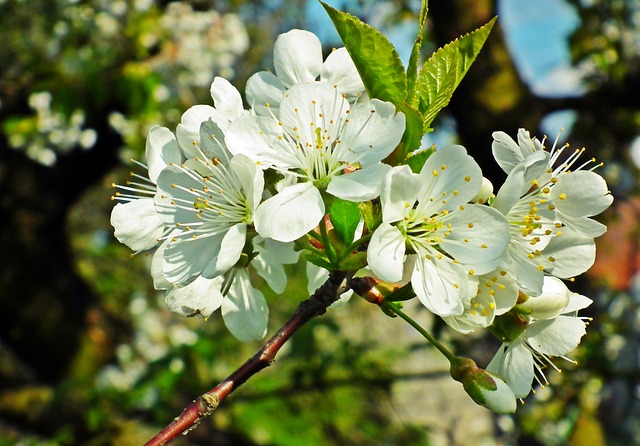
(324, 145)
(426, 219)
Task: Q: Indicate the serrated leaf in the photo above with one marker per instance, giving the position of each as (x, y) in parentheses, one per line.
(442, 73)
(412, 69)
(345, 217)
(416, 160)
(374, 56)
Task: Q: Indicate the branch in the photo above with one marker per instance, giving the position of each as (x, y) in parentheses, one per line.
(207, 403)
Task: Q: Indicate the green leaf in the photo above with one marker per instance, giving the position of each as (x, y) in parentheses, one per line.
(412, 69)
(345, 217)
(417, 159)
(375, 57)
(413, 131)
(319, 261)
(442, 73)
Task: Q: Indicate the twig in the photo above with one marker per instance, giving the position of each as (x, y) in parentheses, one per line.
(206, 404)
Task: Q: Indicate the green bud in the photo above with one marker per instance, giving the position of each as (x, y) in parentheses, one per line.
(485, 388)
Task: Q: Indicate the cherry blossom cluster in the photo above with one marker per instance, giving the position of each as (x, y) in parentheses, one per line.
(235, 190)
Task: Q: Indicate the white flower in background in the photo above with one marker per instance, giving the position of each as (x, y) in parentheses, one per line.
(297, 59)
(135, 220)
(428, 215)
(553, 329)
(208, 201)
(577, 194)
(324, 144)
(489, 295)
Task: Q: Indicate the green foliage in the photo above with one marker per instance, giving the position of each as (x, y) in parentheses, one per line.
(416, 160)
(345, 217)
(375, 57)
(441, 74)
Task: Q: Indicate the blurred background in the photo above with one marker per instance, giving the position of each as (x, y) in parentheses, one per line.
(89, 355)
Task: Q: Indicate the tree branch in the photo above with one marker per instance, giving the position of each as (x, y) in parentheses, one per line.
(207, 403)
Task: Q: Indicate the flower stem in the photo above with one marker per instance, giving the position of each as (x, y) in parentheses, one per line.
(395, 308)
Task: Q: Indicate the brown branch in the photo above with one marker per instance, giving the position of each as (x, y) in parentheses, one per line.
(206, 404)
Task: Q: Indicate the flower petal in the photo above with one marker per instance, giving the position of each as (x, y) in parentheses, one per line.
(202, 296)
(514, 363)
(251, 178)
(385, 253)
(137, 224)
(244, 309)
(374, 131)
(556, 337)
(399, 193)
(440, 285)
(569, 254)
(161, 150)
(450, 178)
(226, 98)
(272, 255)
(188, 131)
(361, 185)
(339, 70)
(264, 93)
(297, 57)
(291, 213)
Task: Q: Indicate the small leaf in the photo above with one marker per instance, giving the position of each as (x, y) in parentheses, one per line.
(417, 159)
(374, 56)
(412, 69)
(345, 217)
(319, 261)
(442, 73)
(414, 129)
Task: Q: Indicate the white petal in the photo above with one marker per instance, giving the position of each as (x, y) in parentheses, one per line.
(297, 57)
(584, 193)
(137, 224)
(385, 253)
(506, 152)
(307, 107)
(552, 301)
(185, 260)
(244, 310)
(338, 69)
(230, 248)
(373, 132)
(265, 88)
(316, 276)
(251, 178)
(361, 185)
(555, 337)
(514, 363)
(161, 150)
(485, 230)
(399, 193)
(202, 296)
(576, 302)
(159, 281)
(212, 142)
(572, 254)
(188, 131)
(246, 136)
(440, 285)
(447, 170)
(226, 98)
(272, 255)
(291, 213)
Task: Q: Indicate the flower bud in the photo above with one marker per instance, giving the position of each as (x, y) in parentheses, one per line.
(552, 301)
(486, 190)
(507, 327)
(485, 388)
